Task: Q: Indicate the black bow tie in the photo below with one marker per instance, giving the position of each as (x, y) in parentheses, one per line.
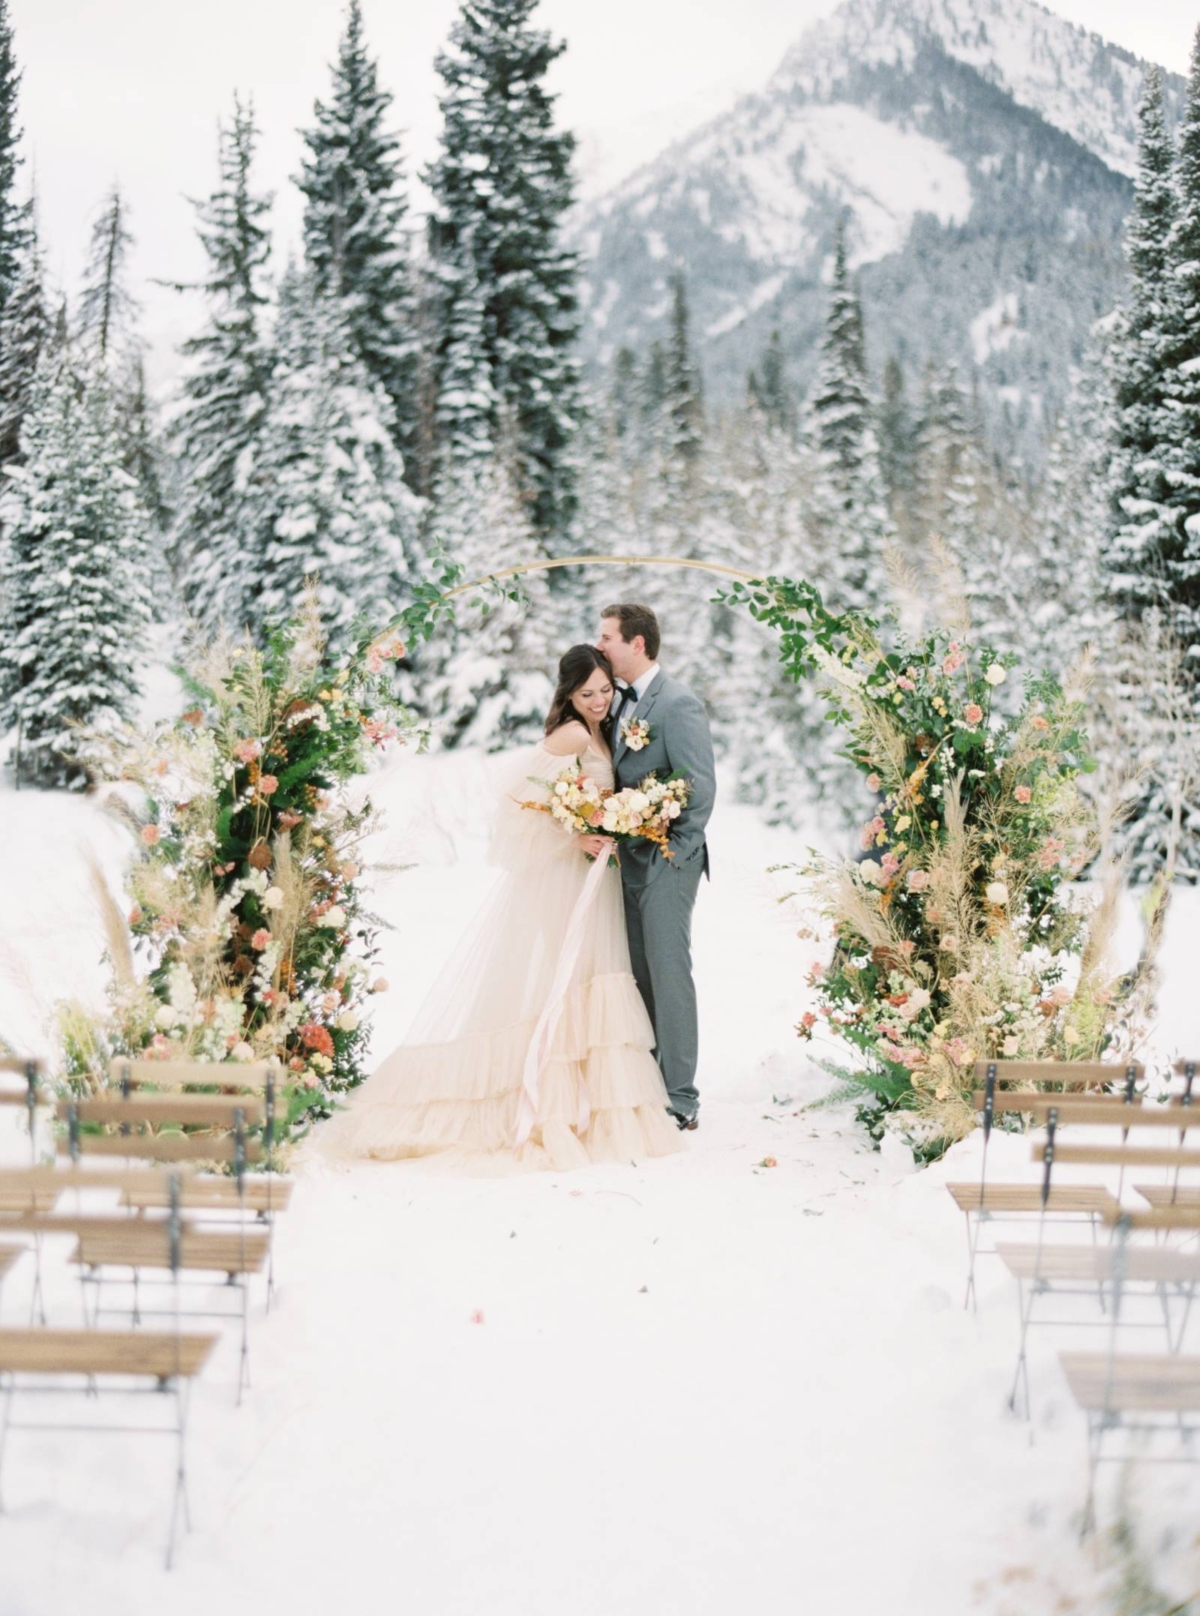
(628, 694)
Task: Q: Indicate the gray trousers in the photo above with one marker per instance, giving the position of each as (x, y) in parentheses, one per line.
(658, 917)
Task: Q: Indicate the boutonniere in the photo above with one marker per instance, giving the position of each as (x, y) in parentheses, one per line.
(636, 733)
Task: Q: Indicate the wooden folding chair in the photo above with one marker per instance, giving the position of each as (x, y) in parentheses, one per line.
(1143, 1396)
(133, 1113)
(1018, 1087)
(1042, 1269)
(263, 1079)
(170, 1360)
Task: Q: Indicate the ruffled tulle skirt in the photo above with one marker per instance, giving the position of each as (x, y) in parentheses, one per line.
(460, 1100)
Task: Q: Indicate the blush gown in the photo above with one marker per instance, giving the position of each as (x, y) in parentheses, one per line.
(452, 1090)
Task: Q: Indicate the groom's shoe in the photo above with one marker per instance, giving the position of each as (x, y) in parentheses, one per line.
(685, 1124)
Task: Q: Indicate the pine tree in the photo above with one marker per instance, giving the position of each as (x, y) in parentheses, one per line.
(12, 219)
(767, 388)
(501, 188)
(225, 391)
(328, 499)
(1064, 582)
(1135, 556)
(896, 444)
(683, 402)
(24, 333)
(356, 241)
(849, 500)
(487, 680)
(76, 564)
(108, 310)
(1181, 415)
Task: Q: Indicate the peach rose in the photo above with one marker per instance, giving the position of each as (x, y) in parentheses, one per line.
(151, 835)
(973, 713)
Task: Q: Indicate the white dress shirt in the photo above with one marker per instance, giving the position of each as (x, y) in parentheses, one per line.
(639, 687)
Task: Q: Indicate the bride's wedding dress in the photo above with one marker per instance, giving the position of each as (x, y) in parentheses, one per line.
(455, 1086)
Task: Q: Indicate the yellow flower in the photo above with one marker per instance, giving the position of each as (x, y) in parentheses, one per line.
(903, 822)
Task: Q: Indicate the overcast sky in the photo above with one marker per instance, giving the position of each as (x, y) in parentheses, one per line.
(132, 89)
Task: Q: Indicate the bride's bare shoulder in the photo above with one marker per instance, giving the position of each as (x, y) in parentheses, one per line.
(569, 740)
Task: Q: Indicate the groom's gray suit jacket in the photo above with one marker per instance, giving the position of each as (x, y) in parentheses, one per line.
(660, 893)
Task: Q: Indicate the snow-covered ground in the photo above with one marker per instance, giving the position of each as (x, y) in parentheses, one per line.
(698, 1386)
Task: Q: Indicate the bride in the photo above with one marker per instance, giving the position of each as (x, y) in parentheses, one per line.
(470, 1083)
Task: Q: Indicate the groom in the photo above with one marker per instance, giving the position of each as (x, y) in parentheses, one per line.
(670, 735)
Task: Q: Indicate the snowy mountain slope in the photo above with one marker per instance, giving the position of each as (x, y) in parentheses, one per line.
(981, 150)
(1075, 80)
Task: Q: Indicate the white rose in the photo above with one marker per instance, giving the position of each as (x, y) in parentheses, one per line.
(347, 1021)
(996, 892)
(242, 1052)
(333, 919)
(164, 1017)
(996, 674)
(871, 872)
(272, 898)
(673, 810)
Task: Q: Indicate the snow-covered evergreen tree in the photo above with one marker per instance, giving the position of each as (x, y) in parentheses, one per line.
(849, 503)
(487, 678)
(1181, 415)
(216, 432)
(24, 332)
(897, 449)
(1135, 553)
(327, 499)
(1063, 582)
(13, 220)
(501, 186)
(75, 560)
(767, 387)
(356, 240)
(107, 311)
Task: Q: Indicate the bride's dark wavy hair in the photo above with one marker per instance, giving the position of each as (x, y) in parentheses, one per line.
(574, 669)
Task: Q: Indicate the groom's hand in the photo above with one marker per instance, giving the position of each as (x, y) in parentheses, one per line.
(596, 846)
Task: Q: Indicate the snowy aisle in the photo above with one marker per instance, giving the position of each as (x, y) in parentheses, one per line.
(695, 1387)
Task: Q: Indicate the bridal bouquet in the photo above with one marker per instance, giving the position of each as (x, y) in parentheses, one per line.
(644, 812)
(647, 811)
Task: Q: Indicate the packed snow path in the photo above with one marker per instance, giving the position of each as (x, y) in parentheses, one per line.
(699, 1386)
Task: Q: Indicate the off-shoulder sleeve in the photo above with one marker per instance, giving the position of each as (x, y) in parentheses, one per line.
(523, 836)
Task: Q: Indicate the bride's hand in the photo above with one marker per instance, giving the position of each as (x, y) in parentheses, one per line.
(596, 846)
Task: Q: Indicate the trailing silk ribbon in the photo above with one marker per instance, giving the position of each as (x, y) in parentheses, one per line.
(537, 1056)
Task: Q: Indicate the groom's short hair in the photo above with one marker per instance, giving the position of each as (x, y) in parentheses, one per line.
(635, 620)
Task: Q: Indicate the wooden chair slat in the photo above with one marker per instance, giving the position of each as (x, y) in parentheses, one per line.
(1152, 1264)
(176, 1074)
(1159, 1217)
(1090, 1198)
(1184, 1196)
(213, 1110)
(207, 1191)
(164, 1147)
(78, 1223)
(49, 1179)
(236, 1251)
(1167, 1384)
(1180, 1067)
(19, 1063)
(104, 1352)
(1068, 1074)
(1091, 1109)
(1119, 1155)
